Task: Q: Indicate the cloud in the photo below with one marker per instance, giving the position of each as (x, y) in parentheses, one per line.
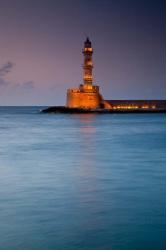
(25, 86)
(19, 92)
(5, 69)
(28, 85)
(3, 82)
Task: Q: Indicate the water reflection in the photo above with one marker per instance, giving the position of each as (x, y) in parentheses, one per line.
(87, 138)
(89, 198)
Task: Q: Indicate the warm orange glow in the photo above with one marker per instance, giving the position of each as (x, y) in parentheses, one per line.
(88, 49)
(89, 63)
(126, 107)
(88, 77)
(145, 107)
(132, 106)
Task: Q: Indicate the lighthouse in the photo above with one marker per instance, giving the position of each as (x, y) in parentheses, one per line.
(87, 95)
(88, 64)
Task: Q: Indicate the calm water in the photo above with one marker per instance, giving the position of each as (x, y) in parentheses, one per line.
(84, 182)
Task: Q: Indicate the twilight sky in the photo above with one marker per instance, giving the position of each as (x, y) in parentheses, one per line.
(41, 43)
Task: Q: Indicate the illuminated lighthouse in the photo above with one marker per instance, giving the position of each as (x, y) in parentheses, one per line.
(88, 64)
(87, 95)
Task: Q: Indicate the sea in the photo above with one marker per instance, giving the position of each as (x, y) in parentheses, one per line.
(82, 181)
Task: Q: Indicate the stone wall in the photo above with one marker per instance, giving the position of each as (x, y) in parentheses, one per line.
(78, 99)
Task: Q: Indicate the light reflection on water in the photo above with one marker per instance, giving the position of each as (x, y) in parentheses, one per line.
(82, 181)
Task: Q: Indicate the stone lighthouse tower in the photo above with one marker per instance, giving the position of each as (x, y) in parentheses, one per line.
(88, 65)
(87, 95)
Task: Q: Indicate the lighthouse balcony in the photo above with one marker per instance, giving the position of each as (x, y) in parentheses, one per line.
(73, 90)
(89, 88)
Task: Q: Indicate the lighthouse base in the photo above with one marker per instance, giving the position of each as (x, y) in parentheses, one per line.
(84, 98)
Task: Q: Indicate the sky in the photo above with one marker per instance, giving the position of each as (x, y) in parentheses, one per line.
(41, 44)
